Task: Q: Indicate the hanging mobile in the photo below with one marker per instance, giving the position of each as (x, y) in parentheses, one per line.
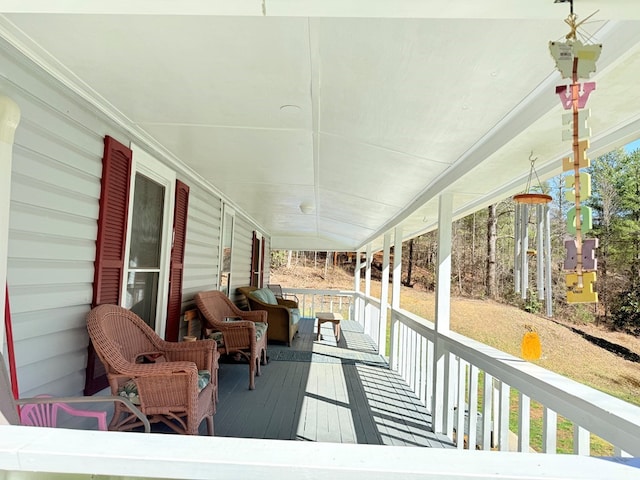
(524, 202)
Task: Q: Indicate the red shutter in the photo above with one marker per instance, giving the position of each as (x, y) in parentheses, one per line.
(262, 257)
(255, 259)
(174, 305)
(110, 244)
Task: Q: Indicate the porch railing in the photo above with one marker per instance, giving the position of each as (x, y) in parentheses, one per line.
(484, 383)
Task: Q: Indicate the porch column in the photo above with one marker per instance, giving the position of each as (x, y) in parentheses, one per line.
(356, 286)
(384, 295)
(441, 415)
(395, 297)
(356, 272)
(367, 291)
(9, 119)
(367, 272)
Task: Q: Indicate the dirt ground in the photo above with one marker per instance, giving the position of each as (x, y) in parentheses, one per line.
(503, 326)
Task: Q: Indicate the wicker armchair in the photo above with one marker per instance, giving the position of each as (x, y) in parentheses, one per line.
(170, 388)
(235, 330)
(282, 314)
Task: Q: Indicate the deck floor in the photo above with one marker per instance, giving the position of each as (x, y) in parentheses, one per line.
(323, 392)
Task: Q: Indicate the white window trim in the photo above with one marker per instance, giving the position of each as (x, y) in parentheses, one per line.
(147, 165)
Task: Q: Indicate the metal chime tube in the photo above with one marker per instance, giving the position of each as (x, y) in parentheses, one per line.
(547, 261)
(517, 249)
(540, 251)
(524, 263)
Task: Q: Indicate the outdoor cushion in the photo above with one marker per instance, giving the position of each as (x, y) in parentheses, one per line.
(294, 314)
(261, 328)
(217, 336)
(265, 296)
(130, 389)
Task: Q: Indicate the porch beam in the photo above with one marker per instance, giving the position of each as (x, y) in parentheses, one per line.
(9, 120)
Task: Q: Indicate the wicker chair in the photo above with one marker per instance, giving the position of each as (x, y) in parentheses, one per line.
(235, 330)
(167, 390)
(282, 314)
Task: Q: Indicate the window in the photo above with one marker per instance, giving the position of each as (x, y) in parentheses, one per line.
(146, 272)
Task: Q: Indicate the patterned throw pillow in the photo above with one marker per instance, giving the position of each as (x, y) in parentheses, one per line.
(217, 336)
(130, 389)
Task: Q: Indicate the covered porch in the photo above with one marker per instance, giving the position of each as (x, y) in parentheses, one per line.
(325, 391)
(333, 126)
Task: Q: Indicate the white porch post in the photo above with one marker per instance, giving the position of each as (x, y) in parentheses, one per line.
(395, 297)
(367, 290)
(440, 414)
(356, 287)
(384, 295)
(9, 119)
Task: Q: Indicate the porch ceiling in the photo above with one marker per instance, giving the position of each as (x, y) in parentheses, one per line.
(366, 111)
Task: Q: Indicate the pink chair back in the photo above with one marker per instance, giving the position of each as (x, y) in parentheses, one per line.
(46, 414)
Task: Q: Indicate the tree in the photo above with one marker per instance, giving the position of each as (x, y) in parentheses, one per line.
(492, 240)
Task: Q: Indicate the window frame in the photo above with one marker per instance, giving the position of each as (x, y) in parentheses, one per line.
(150, 167)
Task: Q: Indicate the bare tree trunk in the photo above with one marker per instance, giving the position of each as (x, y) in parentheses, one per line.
(492, 237)
(327, 259)
(289, 255)
(410, 263)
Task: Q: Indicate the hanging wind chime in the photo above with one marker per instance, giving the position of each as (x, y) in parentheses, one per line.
(534, 205)
(575, 60)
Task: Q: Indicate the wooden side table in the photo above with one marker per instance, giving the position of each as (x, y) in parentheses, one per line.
(334, 318)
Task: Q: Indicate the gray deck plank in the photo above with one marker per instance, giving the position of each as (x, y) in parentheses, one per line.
(324, 391)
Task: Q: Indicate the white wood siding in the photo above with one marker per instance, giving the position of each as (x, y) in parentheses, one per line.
(202, 255)
(55, 189)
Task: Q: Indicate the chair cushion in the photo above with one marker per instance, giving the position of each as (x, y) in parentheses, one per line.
(130, 389)
(217, 336)
(294, 315)
(261, 329)
(265, 296)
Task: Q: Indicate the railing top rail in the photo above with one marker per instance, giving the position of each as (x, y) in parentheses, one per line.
(312, 291)
(123, 455)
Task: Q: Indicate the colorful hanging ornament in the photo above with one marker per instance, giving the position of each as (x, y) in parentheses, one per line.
(531, 347)
(575, 60)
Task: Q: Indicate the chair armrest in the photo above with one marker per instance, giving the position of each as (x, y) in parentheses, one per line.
(99, 399)
(287, 303)
(160, 384)
(254, 315)
(200, 352)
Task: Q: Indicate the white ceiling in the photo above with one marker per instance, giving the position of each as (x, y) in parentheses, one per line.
(365, 110)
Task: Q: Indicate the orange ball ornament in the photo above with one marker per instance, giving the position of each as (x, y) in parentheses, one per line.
(531, 347)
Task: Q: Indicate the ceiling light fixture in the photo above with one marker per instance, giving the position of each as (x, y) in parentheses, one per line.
(306, 208)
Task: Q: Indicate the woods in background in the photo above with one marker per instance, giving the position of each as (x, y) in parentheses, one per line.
(483, 250)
